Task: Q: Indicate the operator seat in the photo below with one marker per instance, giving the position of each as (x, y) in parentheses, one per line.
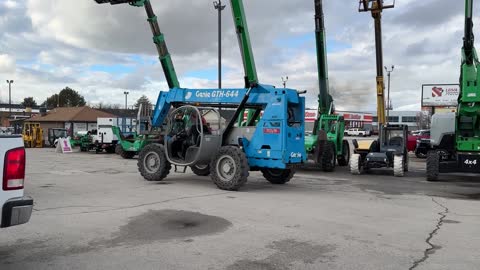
(395, 141)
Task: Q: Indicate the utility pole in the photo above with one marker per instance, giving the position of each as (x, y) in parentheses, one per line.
(376, 7)
(218, 6)
(284, 81)
(389, 103)
(126, 99)
(10, 97)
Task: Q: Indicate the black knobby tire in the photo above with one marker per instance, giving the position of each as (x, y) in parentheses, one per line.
(152, 163)
(329, 157)
(110, 149)
(420, 154)
(124, 154)
(344, 158)
(127, 154)
(201, 169)
(118, 149)
(278, 176)
(229, 168)
(433, 166)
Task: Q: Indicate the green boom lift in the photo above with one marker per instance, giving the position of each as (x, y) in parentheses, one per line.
(326, 144)
(131, 146)
(455, 138)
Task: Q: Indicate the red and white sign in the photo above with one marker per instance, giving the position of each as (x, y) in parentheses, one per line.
(64, 146)
(440, 95)
(311, 115)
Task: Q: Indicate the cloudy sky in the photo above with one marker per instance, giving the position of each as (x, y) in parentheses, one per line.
(103, 50)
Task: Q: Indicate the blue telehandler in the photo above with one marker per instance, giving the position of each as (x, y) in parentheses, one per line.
(196, 135)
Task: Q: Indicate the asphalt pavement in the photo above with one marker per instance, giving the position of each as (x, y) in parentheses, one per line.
(94, 211)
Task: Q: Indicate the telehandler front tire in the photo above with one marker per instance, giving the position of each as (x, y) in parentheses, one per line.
(229, 168)
(152, 162)
(398, 165)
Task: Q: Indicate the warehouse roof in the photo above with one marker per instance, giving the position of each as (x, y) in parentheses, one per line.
(71, 114)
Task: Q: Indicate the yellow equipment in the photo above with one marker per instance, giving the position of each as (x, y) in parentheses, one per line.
(32, 135)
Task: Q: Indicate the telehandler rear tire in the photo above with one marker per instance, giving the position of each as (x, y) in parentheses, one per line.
(344, 158)
(329, 158)
(278, 176)
(229, 168)
(201, 169)
(152, 163)
(433, 166)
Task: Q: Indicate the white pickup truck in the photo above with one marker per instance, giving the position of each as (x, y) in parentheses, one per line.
(16, 208)
(357, 132)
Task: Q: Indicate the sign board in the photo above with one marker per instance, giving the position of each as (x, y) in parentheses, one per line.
(310, 115)
(64, 146)
(434, 95)
(80, 127)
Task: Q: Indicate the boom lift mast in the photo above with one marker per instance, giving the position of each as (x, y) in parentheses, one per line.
(326, 143)
(376, 7)
(240, 21)
(158, 39)
(274, 146)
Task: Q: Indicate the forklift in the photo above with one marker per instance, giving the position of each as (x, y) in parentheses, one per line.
(390, 149)
(326, 145)
(54, 134)
(455, 137)
(32, 135)
(272, 141)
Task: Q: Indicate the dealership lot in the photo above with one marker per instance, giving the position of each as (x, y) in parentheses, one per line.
(94, 211)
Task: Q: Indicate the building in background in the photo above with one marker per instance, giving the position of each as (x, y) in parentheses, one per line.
(74, 119)
(409, 118)
(362, 120)
(18, 112)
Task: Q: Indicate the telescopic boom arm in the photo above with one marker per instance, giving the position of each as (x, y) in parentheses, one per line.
(324, 99)
(240, 21)
(468, 39)
(158, 39)
(376, 7)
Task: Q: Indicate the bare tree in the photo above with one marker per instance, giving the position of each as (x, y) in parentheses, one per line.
(424, 119)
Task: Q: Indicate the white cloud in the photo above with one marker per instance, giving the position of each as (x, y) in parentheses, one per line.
(54, 43)
(7, 63)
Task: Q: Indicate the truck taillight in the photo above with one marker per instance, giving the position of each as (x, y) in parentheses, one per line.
(14, 169)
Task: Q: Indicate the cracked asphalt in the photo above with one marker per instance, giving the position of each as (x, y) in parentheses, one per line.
(94, 211)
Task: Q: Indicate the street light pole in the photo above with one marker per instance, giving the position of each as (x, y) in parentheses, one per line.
(218, 6)
(284, 82)
(126, 99)
(10, 97)
(389, 104)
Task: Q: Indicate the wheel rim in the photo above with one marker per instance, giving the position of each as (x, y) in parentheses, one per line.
(151, 162)
(226, 168)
